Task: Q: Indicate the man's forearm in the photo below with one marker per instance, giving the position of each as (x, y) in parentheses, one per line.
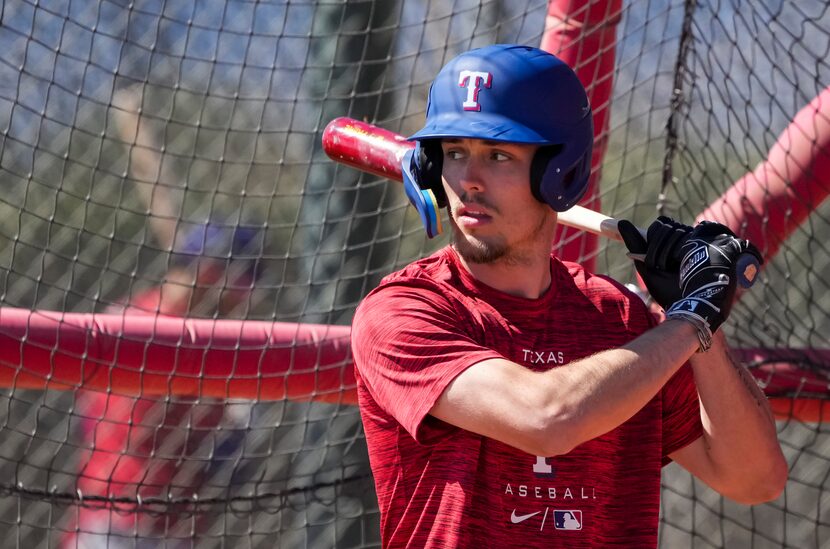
(551, 412)
(606, 389)
(739, 427)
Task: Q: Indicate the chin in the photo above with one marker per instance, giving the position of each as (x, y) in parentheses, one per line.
(475, 250)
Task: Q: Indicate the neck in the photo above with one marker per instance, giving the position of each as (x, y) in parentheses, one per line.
(528, 278)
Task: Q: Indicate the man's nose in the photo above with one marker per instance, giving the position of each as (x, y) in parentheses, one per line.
(471, 177)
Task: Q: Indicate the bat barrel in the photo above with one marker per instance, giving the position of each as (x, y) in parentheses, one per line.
(365, 147)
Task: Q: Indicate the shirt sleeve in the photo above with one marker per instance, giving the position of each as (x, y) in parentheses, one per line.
(409, 342)
(681, 412)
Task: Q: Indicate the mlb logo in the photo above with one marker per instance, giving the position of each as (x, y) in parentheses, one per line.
(567, 520)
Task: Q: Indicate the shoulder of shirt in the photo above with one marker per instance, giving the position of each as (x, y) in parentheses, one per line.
(433, 270)
(602, 289)
(586, 280)
(435, 267)
(433, 274)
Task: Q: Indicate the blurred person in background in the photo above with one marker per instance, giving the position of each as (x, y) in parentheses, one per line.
(146, 449)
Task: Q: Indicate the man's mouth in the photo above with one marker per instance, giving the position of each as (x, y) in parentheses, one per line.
(472, 216)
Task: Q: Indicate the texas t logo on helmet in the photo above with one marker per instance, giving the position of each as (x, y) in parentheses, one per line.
(473, 81)
(514, 77)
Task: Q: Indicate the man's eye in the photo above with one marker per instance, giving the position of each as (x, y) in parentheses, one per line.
(453, 155)
(500, 157)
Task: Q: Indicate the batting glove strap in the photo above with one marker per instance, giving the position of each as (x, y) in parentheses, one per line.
(704, 332)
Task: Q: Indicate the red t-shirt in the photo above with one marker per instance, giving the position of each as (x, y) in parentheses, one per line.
(442, 486)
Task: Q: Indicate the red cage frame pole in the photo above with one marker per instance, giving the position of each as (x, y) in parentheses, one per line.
(583, 33)
(767, 204)
(141, 355)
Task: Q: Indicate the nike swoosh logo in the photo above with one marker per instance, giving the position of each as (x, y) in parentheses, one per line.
(516, 519)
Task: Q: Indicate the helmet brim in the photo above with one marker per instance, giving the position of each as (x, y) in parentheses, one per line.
(493, 127)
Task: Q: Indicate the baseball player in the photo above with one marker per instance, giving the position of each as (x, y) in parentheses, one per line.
(511, 399)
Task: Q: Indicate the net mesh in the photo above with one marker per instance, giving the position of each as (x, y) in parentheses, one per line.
(129, 127)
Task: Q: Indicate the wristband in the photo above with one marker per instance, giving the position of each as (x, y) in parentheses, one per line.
(704, 333)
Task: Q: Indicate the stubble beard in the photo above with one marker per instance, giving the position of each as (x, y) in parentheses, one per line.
(477, 251)
(489, 252)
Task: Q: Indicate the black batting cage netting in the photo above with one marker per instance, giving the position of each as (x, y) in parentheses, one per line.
(180, 260)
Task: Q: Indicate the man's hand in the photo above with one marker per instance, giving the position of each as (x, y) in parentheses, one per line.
(660, 267)
(708, 277)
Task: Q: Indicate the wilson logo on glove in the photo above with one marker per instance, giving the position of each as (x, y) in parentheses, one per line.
(693, 260)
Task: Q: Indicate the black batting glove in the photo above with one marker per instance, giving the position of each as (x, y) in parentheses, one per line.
(708, 277)
(657, 257)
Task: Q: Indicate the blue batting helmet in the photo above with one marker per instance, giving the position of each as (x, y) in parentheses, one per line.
(511, 93)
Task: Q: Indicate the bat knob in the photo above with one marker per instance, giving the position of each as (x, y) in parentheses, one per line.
(747, 268)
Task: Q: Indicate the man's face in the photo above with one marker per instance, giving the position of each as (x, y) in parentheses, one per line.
(492, 210)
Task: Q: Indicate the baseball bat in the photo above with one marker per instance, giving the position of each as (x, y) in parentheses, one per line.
(378, 151)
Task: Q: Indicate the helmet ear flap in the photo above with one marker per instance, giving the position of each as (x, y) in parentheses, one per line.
(559, 174)
(421, 170)
(538, 167)
(430, 164)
